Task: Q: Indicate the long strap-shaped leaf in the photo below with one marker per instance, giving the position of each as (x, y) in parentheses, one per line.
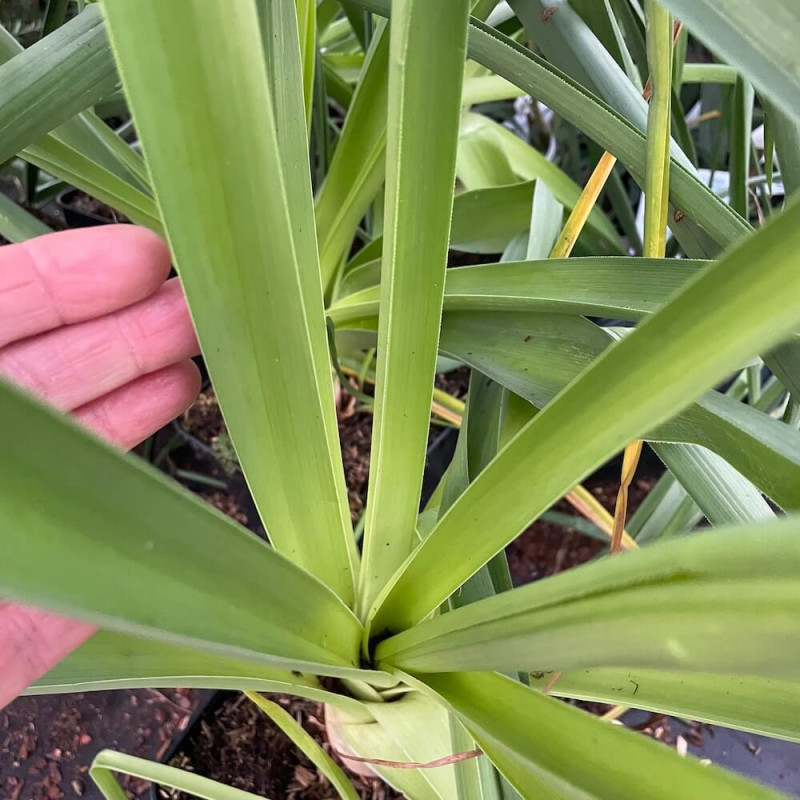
(640, 382)
(108, 761)
(759, 705)
(218, 174)
(279, 29)
(42, 71)
(115, 542)
(761, 42)
(547, 749)
(54, 79)
(357, 167)
(112, 660)
(536, 355)
(17, 224)
(424, 106)
(738, 594)
(618, 287)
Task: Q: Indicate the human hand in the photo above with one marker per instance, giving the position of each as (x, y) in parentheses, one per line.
(89, 323)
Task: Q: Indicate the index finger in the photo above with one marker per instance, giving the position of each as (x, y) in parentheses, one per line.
(73, 276)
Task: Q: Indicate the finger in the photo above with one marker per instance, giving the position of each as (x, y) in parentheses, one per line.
(129, 415)
(69, 277)
(31, 643)
(72, 366)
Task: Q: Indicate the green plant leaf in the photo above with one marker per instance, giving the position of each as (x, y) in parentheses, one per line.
(737, 592)
(17, 224)
(54, 79)
(423, 79)
(740, 137)
(107, 762)
(724, 495)
(551, 758)
(758, 705)
(357, 168)
(374, 740)
(256, 302)
(537, 354)
(108, 515)
(285, 73)
(597, 120)
(761, 45)
(635, 385)
(307, 744)
(87, 174)
(111, 660)
(483, 144)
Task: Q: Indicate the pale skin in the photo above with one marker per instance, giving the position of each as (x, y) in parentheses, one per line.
(90, 324)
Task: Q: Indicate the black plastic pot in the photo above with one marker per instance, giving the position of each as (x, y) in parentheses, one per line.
(772, 762)
(75, 217)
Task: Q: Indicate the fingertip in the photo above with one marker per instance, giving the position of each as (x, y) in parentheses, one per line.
(127, 416)
(72, 276)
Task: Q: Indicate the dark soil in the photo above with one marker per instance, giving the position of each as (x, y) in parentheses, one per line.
(547, 548)
(239, 744)
(47, 743)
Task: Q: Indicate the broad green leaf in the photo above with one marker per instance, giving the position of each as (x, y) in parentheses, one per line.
(357, 168)
(117, 661)
(139, 555)
(421, 728)
(548, 749)
(306, 15)
(666, 505)
(734, 613)
(487, 88)
(483, 140)
(308, 745)
(422, 132)
(17, 224)
(708, 73)
(787, 143)
(758, 705)
(107, 762)
(478, 443)
(640, 382)
(547, 215)
(285, 73)
(86, 132)
(761, 43)
(374, 740)
(619, 287)
(258, 311)
(536, 355)
(54, 79)
(724, 495)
